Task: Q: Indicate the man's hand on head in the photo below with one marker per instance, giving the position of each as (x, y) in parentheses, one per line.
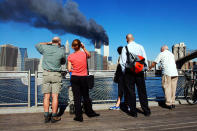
(49, 43)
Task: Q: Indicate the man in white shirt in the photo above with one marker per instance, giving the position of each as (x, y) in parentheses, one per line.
(170, 75)
(132, 79)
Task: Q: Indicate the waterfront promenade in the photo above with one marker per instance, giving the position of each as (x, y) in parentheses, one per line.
(183, 118)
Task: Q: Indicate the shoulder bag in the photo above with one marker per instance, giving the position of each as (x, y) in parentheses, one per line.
(135, 63)
(90, 78)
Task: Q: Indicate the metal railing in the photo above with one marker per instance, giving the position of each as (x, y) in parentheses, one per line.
(105, 90)
(15, 88)
(103, 85)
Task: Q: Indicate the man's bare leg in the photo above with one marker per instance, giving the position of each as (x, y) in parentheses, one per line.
(46, 102)
(54, 117)
(54, 103)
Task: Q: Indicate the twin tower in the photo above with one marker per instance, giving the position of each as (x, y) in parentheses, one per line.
(98, 61)
(98, 50)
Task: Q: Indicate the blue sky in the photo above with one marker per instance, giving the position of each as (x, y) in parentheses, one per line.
(152, 22)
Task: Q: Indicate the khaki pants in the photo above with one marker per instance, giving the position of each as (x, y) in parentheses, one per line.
(169, 85)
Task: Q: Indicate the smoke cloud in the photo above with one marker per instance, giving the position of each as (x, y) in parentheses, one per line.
(54, 16)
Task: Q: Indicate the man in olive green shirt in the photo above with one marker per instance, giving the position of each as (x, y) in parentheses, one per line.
(52, 80)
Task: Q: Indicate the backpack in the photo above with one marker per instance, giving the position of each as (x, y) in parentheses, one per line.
(134, 63)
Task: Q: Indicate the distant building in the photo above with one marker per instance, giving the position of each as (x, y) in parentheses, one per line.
(109, 60)
(8, 57)
(105, 63)
(179, 51)
(99, 62)
(32, 64)
(112, 66)
(95, 62)
(106, 50)
(92, 61)
(22, 55)
(97, 47)
(67, 48)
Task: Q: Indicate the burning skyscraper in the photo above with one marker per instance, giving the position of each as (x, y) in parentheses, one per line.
(106, 50)
(97, 48)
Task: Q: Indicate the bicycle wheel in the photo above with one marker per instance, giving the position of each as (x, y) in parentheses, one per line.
(190, 94)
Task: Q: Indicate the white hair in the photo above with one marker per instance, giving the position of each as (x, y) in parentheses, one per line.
(164, 47)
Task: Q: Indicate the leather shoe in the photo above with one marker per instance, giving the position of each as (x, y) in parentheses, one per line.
(173, 106)
(147, 114)
(168, 107)
(55, 119)
(93, 115)
(47, 118)
(133, 114)
(80, 119)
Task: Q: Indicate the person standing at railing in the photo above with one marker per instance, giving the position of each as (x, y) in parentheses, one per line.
(118, 78)
(52, 79)
(169, 75)
(70, 97)
(132, 79)
(77, 64)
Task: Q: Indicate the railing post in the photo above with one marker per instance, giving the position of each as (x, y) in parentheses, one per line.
(36, 89)
(29, 88)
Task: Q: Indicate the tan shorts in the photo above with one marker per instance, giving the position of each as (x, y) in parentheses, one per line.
(52, 82)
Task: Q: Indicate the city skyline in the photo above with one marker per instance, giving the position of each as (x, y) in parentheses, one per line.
(153, 24)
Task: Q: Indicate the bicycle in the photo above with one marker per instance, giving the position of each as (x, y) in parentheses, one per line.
(190, 88)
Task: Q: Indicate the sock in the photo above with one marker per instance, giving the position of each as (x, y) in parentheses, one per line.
(46, 113)
(54, 114)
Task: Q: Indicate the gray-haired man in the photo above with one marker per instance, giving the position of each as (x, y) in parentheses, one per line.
(170, 75)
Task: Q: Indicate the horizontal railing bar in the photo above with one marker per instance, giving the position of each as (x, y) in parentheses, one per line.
(5, 78)
(7, 104)
(13, 71)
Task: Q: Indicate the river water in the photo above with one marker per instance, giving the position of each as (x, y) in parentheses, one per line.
(14, 91)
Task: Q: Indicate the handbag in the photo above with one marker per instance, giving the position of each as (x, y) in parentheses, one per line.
(90, 81)
(90, 78)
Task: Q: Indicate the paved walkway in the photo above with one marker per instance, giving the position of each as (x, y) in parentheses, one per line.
(184, 117)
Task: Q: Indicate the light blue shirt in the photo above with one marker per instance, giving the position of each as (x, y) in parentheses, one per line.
(134, 48)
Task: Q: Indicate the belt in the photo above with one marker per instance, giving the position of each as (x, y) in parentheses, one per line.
(51, 71)
(54, 71)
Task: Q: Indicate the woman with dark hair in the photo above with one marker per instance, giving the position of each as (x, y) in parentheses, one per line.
(119, 79)
(77, 64)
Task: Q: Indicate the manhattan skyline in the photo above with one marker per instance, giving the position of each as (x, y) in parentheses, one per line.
(152, 22)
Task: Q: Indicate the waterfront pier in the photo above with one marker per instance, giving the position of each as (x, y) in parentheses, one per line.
(182, 118)
(21, 106)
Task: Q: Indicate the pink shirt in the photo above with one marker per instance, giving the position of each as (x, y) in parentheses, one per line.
(79, 63)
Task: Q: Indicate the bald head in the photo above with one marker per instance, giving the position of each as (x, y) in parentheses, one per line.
(129, 38)
(56, 40)
(163, 48)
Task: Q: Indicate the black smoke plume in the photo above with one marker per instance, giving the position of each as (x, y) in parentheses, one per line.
(54, 16)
